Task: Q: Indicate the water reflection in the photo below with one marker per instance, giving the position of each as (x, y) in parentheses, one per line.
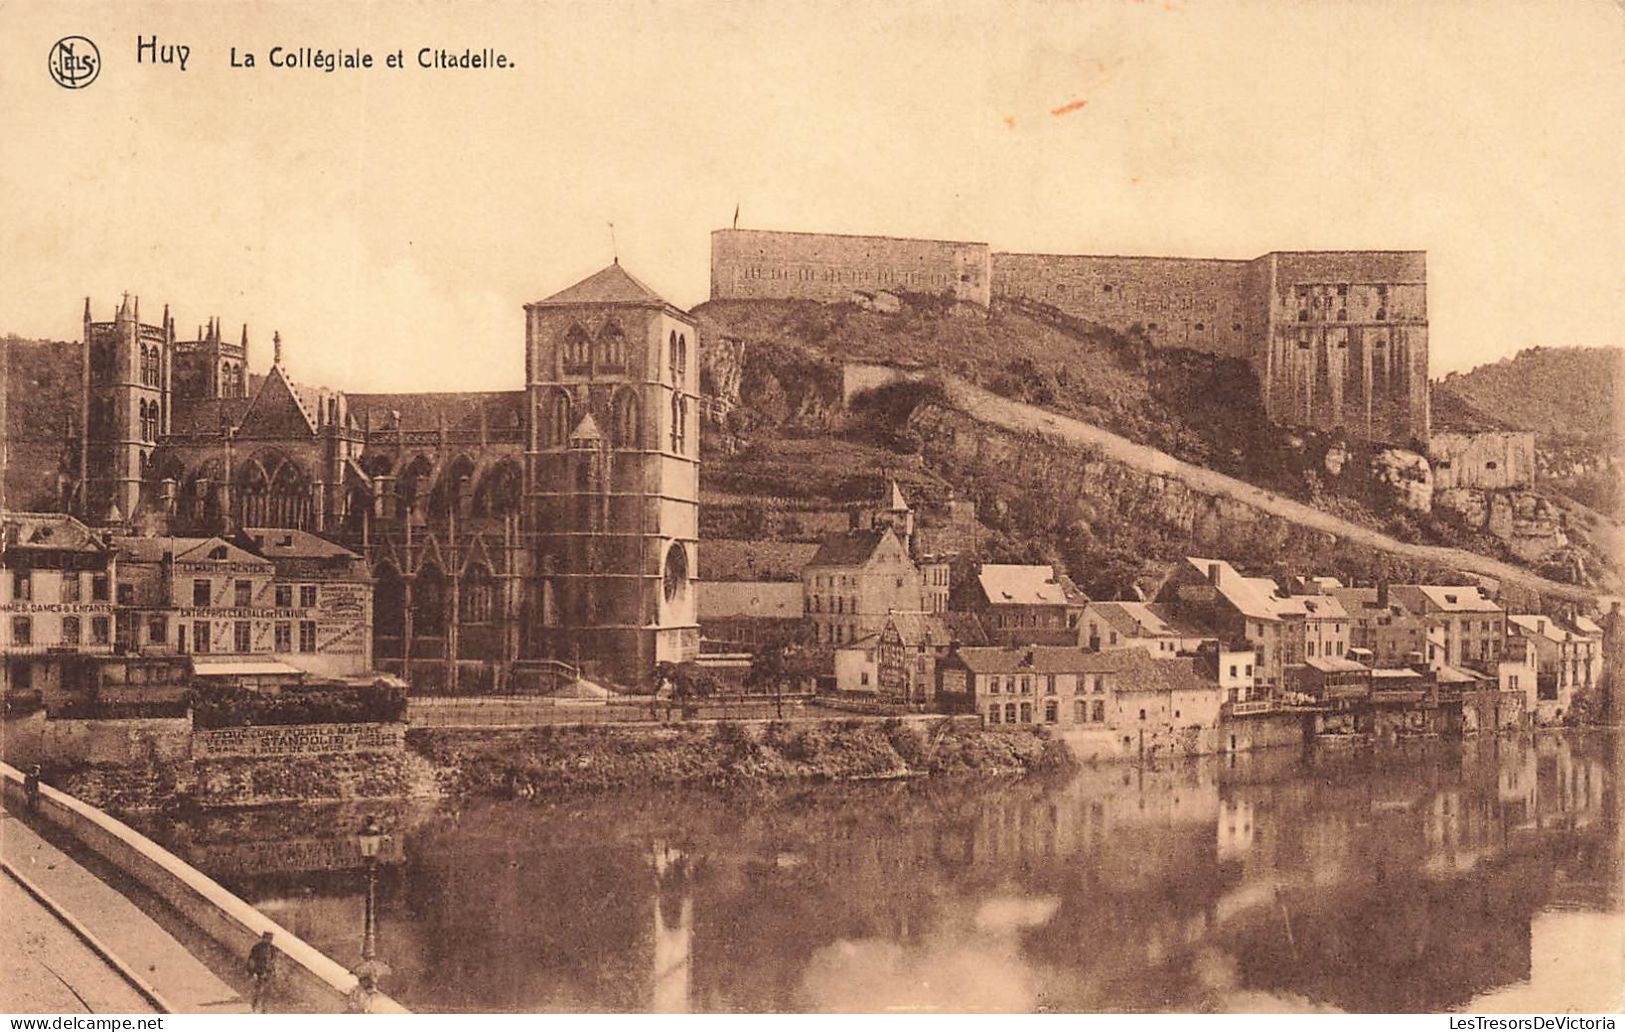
(1421, 876)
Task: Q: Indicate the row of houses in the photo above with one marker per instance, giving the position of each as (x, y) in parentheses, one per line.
(89, 616)
(1252, 642)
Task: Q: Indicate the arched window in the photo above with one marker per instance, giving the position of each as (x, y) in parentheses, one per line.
(429, 603)
(671, 360)
(288, 502)
(679, 417)
(388, 611)
(411, 484)
(612, 346)
(456, 479)
(627, 428)
(557, 419)
(498, 493)
(251, 495)
(674, 577)
(682, 359)
(577, 350)
(477, 598)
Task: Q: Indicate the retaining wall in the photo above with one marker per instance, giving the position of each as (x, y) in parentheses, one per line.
(117, 743)
(309, 979)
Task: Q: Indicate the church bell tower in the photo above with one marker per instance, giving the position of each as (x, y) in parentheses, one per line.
(612, 481)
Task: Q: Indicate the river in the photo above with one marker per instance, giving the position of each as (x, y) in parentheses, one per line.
(1478, 876)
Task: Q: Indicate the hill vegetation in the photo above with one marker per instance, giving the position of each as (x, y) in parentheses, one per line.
(790, 443)
(1567, 397)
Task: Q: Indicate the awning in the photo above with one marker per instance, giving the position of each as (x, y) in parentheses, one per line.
(241, 668)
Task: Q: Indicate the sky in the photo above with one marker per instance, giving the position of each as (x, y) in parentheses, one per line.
(390, 224)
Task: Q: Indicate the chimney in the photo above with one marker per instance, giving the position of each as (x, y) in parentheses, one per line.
(1213, 574)
(1382, 593)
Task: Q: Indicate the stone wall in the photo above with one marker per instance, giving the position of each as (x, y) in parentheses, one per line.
(298, 740)
(1205, 304)
(112, 743)
(758, 264)
(1485, 461)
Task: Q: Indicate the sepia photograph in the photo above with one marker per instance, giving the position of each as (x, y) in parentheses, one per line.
(655, 507)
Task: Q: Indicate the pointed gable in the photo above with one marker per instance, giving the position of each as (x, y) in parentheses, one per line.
(277, 410)
(611, 285)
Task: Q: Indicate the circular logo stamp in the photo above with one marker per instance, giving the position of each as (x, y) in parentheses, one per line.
(74, 62)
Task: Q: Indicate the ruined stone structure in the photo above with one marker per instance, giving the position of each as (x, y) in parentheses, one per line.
(1337, 339)
(503, 529)
(1489, 461)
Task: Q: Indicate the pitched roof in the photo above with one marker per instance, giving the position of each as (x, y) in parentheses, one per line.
(772, 599)
(1324, 607)
(208, 415)
(1137, 669)
(1027, 585)
(897, 503)
(1242, 593)
(183, 549)
(731, 559)
(279, 543)
(1146, 620)
(609, 285)
(48, 532)
(278, 409)
(852, 548)
(461, 410)
(1466, 599)
(937, 629)
(1551, 628)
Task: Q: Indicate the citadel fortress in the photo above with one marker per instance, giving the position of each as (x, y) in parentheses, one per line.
(1338, 339)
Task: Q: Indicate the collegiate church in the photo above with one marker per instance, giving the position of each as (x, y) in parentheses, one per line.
(508, 531)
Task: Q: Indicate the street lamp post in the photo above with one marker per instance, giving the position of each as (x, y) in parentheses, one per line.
(371, 969)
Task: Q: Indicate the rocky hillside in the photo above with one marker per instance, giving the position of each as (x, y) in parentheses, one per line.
(1568, 398)
(40, 383)
(786, 457)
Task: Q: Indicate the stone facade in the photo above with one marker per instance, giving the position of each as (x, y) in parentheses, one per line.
(556, 521)
(1483, 461)
(760, 264)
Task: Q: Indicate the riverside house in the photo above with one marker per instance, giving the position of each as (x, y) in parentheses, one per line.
(1126, 691)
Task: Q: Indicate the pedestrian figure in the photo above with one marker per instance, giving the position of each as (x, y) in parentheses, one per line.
(262, 966)
(31, 788)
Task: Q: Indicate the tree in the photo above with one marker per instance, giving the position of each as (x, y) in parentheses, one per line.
(774, 666)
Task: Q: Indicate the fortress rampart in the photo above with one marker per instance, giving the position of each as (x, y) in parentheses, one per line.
(1338, 339)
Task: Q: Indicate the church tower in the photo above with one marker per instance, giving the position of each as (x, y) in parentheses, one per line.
(612, 377)
(126, 406)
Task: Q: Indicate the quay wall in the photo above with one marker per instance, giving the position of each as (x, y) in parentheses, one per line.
(1239, 734)
(115, 743)
(312, 980)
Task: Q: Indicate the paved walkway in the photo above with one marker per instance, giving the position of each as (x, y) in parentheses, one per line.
(185, 984)
(49, 969)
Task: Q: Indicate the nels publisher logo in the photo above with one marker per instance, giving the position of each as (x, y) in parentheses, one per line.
(75, 62)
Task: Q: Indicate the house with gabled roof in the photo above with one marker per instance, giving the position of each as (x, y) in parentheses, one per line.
(912, 643)
(855, 581)
(1027, 604)
(1132, 695)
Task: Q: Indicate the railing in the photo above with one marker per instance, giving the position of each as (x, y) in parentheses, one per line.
(1252, 707)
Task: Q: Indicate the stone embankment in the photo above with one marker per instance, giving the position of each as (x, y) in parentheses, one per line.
(542, 761)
